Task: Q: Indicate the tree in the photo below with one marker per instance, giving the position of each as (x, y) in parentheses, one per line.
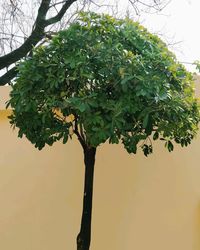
(29, 42)
(22, 28)
(104, 79)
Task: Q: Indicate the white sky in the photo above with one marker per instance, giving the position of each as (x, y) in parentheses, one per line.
(179, 23)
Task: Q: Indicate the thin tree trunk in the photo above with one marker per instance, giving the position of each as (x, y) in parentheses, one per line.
(84, 236)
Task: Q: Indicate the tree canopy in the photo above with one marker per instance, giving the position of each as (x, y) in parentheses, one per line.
(26, 24)
(104, 79)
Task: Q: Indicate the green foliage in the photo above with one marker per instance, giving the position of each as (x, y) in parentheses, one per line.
(120, 82)
(197, 63)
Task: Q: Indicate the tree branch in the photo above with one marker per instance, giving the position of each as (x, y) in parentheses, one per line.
(8, 76)
(76, 132)
(36, 35)
(60, 14)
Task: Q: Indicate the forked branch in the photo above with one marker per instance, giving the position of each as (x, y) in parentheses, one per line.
(37, 35)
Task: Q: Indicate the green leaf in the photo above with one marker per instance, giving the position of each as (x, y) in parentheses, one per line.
(145, 121)
(116, 78)
(126, 79)
(65, 138)
(124, 88)
(20, 133)
(82, 107)
(156, 136)
(170, 146)
(147, 149)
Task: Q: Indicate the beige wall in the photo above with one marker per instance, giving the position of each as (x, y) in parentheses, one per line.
(139, 203)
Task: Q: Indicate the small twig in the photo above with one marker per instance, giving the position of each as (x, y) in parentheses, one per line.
(60, 14)
(13, 35)
(76, 132)
(81, 131)
(53, 5)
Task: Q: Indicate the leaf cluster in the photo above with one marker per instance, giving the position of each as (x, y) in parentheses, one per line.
(120, 83)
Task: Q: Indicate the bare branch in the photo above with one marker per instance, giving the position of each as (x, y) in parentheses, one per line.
(37, 33)
(153, 6)
(60, 14)
(8, 76)
(8, 34)
(19, 33)
(54, 4)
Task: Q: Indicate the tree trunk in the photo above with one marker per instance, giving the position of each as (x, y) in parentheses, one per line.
(84, 236)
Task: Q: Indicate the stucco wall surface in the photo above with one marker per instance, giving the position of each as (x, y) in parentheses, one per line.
(139, 203)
